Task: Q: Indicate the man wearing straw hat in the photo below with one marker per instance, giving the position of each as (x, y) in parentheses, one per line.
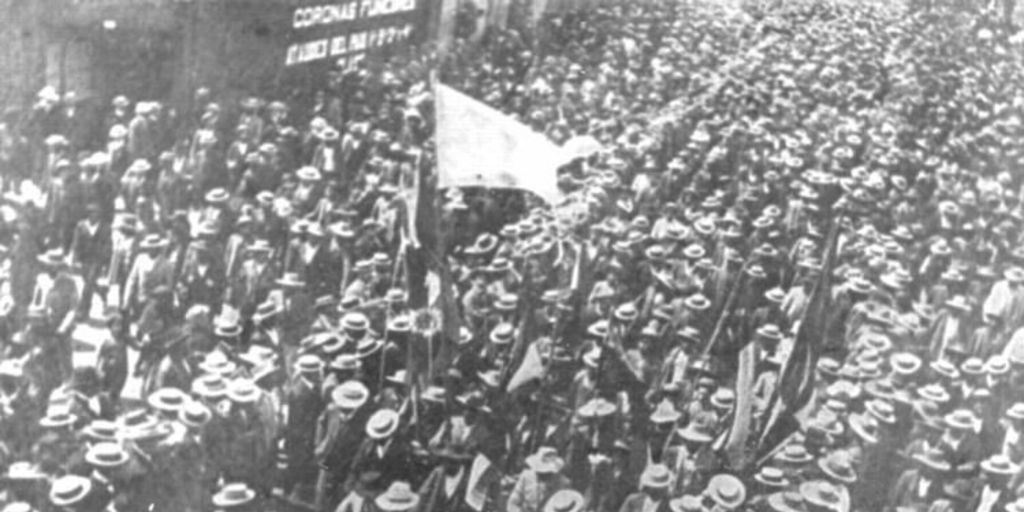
(339, 432)
(654, 491)
(305, 404)
(540, 480)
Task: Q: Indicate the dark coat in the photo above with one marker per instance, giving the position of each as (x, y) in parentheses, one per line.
(304, 408)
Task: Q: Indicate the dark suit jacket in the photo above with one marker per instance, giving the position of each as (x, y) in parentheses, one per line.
(393, 465)
(904, 494)
(635, 503)
(1005, 498)
(338, 440)
(304, 408)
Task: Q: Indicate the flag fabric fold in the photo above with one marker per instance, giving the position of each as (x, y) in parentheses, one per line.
(796, 380)
(478, 146)
(531, 368)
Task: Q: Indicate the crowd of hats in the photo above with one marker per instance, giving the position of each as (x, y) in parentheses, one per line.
(726, 141)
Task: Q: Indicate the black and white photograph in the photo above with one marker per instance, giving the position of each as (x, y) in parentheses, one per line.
(511, 256)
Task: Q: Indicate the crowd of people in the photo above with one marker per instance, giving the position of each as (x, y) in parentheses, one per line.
(804, 213)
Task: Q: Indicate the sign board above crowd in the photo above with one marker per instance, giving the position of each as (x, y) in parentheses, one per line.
(346, 31)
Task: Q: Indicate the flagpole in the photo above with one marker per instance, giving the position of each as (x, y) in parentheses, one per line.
(726, 309)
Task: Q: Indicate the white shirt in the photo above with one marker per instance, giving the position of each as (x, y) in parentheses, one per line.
(922, 487)
(1012, 436)
(999, 299)
(451, 483)
(43, 285)
(989, 497)
(650, 505)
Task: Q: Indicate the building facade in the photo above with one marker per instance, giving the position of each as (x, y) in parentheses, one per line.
(164, 49)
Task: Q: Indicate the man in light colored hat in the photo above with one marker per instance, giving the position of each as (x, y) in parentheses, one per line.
(541, 479)
(252, 422)
(654, 491)
(339, 434)
(960, 443)
(384, 449)
(994, 490)
(305, 405)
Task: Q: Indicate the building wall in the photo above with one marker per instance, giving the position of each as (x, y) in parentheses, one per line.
(165, 49)
(23, 54)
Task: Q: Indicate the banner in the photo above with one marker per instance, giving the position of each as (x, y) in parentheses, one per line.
(478, 146)
(346, 31)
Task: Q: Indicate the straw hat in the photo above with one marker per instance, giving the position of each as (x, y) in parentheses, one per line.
(972, 367)
(382, 424)
(770, 332)
(905, 363)
(771, 476)
(18, 506)
(933, 459)
(945, 369)
(58, 419)
(398, 498)
(665, 413)
(217, 196)
(999, 464)
(960, 419)
(823, 494)
(234, 495)
(217, 363)
(723, 398)
(596, 408)
(838, 467)
(24, 470)
(350, 395)
(101, 430)
(210, 386)
(566, 500)
(194, 414)
(244, 391)
(795, 453)
(1016, 411)
(656, 476)
(309, 363)
(697, 302)
(167, 399)
(934, 393)
(290, 280)
(699, 430)
(502, 334)
(106, 455)
(882, 411)
(69, 490)
(727, 491)
(786, 502)
(626, 312)
(545, 460)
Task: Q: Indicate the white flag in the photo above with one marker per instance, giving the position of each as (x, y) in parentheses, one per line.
(478, 146)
